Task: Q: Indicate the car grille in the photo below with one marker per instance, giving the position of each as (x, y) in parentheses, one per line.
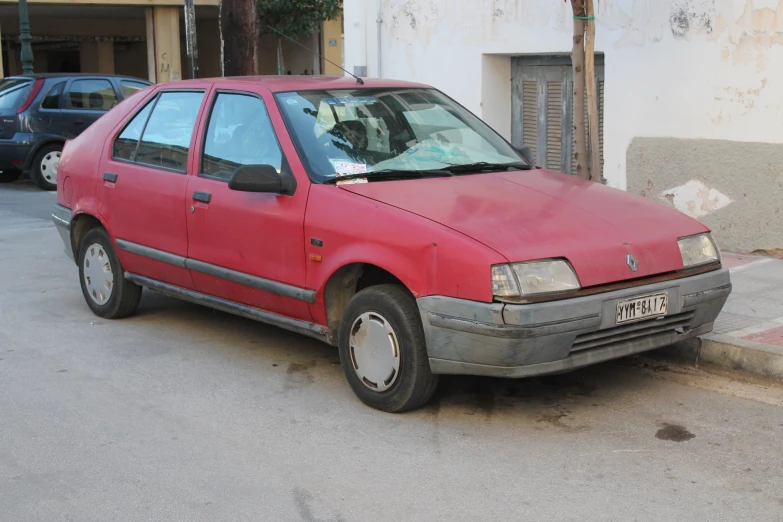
(661, 326)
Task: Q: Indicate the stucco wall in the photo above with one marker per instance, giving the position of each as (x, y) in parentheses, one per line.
(687, 69)
(745, 213)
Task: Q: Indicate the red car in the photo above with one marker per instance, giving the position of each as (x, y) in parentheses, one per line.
(382, 218)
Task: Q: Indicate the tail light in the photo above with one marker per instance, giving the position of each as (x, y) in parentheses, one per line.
(33, 93)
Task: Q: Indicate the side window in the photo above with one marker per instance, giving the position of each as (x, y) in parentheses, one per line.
(52, 98)
(130, 88)
(96, 95)
(239, 133)
(125, 144)
(166, 139)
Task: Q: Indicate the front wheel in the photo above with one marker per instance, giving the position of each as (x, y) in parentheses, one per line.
(107, 292)
(383, 351)
(44, 169)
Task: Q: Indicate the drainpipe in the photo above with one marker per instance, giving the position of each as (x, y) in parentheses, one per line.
(379, 21)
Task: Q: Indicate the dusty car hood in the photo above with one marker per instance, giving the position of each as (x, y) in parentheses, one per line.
(540, 214)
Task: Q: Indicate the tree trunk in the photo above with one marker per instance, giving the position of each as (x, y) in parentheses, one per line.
(578, 65)
(280, 62)
(239, 34)
(592, 97)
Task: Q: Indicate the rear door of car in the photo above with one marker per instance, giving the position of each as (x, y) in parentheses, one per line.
(143, 182)
(86, 99)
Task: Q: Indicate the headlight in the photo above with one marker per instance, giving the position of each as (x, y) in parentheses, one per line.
(533, 278)
(698, 250)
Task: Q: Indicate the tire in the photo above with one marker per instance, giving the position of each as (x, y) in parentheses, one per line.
(121, 297)
(44, 168)
(10, 175)
(376, 314)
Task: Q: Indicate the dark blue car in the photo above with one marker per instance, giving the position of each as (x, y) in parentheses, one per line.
(39, 112)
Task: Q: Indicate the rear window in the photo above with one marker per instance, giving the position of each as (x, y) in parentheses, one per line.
(14, 91)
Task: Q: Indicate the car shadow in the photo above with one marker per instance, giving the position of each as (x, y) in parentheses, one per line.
(555, 402)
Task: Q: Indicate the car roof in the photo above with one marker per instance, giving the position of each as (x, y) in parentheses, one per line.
(284, 83)
(77, 75)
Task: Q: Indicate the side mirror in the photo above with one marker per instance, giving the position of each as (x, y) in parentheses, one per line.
(527, 155)
(262, 178)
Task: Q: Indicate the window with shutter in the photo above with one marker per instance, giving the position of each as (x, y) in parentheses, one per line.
(542, 105)
(530, 114)
(554, 124)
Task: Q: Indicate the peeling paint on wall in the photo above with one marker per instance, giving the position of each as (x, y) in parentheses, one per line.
(695, 199)
(732, 187)
(689, 16)
(734, 100)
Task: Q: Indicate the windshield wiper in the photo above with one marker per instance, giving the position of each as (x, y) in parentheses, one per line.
(483, 166)
(389, 174)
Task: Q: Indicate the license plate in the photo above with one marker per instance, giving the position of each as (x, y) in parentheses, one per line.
(642, 307)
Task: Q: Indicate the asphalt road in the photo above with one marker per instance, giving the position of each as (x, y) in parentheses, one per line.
(181, 413)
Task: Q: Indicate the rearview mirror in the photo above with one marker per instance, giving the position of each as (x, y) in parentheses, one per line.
(262, 178)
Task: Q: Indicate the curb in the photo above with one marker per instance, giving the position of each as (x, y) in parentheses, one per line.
(729, 354)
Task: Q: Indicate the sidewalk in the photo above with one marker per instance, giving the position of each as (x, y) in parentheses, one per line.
(748, 335)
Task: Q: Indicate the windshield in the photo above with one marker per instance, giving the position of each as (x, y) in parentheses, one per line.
(13, 92)
(349, 132)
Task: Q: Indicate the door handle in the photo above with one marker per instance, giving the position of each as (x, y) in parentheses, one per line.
(110, 177)
(204, 197)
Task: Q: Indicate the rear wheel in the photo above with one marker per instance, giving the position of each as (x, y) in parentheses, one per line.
(8, 176)
(107, 292)
(383, 351)
(44, 169)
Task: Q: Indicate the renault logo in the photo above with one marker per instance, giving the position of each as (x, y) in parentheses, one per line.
(632, 264)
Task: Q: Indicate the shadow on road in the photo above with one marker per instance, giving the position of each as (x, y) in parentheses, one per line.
(547, 402)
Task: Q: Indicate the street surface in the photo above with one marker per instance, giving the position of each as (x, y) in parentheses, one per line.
(181, 413)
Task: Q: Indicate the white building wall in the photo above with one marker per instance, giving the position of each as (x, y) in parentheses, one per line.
(710, 69)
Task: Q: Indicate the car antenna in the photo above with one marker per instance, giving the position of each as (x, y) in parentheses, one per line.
(358, 80)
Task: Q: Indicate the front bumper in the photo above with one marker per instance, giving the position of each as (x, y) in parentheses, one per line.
(62, 218)
(503, 340)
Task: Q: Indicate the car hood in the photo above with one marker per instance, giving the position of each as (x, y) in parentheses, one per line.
(540, 214)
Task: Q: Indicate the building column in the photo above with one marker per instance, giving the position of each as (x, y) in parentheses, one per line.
(163, 49)
(96, 57)
(88, 57)
(105, 56)
(332, 45)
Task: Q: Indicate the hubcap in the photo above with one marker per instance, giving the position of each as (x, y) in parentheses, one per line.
(98, 275)
(375, 352)
(49, 165)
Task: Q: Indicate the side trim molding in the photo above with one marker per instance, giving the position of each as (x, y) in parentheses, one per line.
(274, 287)
(241, 278)
(152, 253)
(293, 325)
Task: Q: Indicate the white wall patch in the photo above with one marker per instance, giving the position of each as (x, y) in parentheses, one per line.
(695, 199)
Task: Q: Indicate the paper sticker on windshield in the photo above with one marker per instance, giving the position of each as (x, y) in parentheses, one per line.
(343, 168)
(352, 181)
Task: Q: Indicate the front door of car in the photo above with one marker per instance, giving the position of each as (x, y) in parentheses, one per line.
(142, 186)
(86, 100)
(243, 246)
